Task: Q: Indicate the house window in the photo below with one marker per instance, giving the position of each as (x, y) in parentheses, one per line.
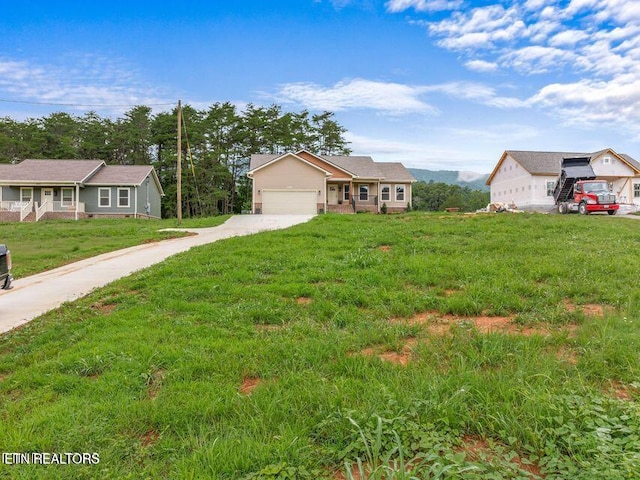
(550, 188)
(399, 193)
(123, 197)
(636, 190)
(364, 193)
(66, 195)
(26, 194)
(386, 193)
(606, 160)
(346, 192)
(104, 197)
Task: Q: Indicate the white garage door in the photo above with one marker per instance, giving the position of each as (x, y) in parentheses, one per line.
(293, 202)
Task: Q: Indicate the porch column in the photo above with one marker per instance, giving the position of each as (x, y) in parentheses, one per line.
(77, 199)
(135, 202)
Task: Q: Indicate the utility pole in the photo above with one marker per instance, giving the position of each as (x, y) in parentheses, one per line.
(179, 166)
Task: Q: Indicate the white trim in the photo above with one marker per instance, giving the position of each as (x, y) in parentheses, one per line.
(62, 202)
(22, 196)
(100, 189)
(360, 185)
(404, 192)
(382, 187)
(128, 205)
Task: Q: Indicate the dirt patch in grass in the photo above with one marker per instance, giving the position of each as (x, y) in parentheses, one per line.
(565, 354)
(104, 309)
(590, 309)
(621, 391)
(477, 448)
(438, 324)
(303, 300)
(150, 438)
(384, 248)
(399, 358)
(249, 384)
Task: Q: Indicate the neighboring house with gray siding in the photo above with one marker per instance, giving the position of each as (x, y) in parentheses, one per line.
(527, 178)
(47, 189)
(305, 183)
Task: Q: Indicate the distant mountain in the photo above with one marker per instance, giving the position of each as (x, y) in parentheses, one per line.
(475, 181)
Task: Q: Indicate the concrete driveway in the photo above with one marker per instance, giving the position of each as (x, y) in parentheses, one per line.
(32, 296)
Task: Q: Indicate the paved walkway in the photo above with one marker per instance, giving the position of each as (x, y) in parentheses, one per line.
(32, 296)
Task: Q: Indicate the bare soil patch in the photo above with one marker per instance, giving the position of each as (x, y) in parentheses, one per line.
(590, 309)
(399, 358)
(150, 438)
(438, 324)
(104, 309)
(622, 392)
(384, 248)
(477, 448)
(249, 384)
(565, 354)
(303, 300)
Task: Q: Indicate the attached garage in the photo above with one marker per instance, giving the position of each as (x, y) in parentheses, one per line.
(291, 202)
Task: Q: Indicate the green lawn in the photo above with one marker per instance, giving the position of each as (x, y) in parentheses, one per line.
(40, 246)
(350, 338)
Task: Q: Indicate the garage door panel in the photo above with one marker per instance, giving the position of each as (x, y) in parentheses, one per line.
(292, 202)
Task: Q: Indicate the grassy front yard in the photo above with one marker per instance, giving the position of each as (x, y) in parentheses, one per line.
(40, 246)
(473, 347)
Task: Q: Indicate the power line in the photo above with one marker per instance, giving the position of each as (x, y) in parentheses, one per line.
(4, 100)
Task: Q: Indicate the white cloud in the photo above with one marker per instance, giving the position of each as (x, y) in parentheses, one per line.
(395, 6)
(536, 59)
(567, 38)
(595, 44)
(481, 66)
(387, 97)
(90, 81)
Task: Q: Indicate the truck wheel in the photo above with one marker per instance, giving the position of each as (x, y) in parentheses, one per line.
(7, 283)
(582, 208)
(611, 212)
(562, 208)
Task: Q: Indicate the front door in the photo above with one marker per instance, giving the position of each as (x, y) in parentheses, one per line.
(47, 196)
(333, 195)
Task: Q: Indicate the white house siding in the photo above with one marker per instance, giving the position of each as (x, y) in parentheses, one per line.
(512, 184)
(618, 173)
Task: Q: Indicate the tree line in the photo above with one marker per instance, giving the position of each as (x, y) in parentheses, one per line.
(437, 196)
(217, 145)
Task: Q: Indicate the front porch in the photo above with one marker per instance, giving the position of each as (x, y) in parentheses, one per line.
(30, 211)
(352, 197)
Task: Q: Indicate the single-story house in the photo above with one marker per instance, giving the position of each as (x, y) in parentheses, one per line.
(528, 179)
(45, 189)
(306, 183)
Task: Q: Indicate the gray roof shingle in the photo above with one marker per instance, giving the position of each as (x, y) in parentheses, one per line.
(54, 171)
(548, 163)
(121, 175)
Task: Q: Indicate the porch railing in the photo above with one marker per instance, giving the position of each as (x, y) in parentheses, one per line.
(26, 210)
(40, 211)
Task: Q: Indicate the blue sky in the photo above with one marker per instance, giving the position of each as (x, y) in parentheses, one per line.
(437, 84)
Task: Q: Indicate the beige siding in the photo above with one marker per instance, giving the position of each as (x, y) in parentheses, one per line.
(288, 173)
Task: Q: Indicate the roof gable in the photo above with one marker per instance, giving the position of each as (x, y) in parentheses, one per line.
(259, 162)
